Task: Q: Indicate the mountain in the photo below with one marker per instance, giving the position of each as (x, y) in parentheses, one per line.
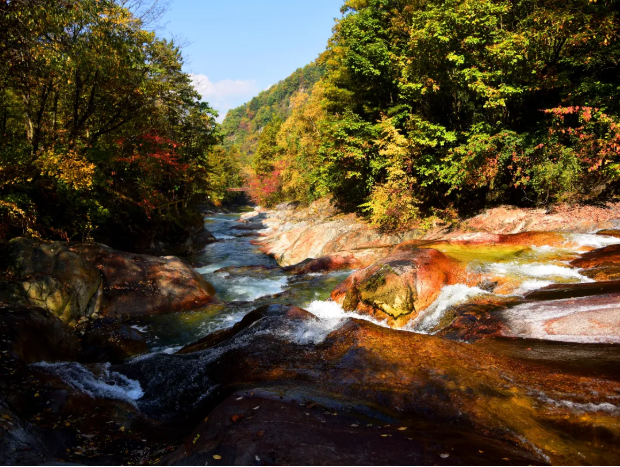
(243, 125)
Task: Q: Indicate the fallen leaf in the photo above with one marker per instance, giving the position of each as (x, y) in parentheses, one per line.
(257, 458)
(196, 438)
(120, 429)
(481, 452)
(402, 428)
(354, 425)
(217, 457)
(260, 433)
(239, 398)
(256, 408)
(206, 418)
(444, 455)
(235, 418)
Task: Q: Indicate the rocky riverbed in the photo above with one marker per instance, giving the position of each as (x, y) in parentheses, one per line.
(303, 336)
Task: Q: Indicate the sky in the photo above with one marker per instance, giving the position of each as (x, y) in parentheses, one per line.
(236, 48)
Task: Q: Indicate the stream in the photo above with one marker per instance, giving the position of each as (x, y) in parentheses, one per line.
(498, 382)
(246, 278)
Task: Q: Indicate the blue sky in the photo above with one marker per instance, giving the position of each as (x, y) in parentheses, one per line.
(235, 49)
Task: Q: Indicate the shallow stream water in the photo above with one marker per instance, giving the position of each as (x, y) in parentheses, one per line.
(245, 278)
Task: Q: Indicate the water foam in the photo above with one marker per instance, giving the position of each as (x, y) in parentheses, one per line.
(107, 384)
(449, 296)
(245, 288)
(537, 270)
(593, 240)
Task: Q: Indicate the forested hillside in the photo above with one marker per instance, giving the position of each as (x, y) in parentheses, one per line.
(243, 125)
(99, 125)
(435, 108)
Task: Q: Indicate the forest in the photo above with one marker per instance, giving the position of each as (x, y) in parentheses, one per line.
(431, 109)
(101, 128)
(416, 110)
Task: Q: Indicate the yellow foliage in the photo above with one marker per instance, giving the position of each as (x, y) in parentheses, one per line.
(393, 204)
(300, 137)
(69, 167)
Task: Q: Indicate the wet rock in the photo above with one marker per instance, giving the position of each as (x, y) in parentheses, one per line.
(476, 320)
(215, 338)
(552, 415)
(400, 286)
(110, 340)
(283, 431)
(50, 276)
(33, 335)
(137, 285)
(335, 262)
(562, 291)
(584, 319)
(602, 264)
(249, 226)
(609, 233)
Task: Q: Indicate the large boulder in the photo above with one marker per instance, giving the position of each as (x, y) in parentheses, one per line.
(75, 281)
(32, 334)
(137, 285)
(399, 287)
(50, 276)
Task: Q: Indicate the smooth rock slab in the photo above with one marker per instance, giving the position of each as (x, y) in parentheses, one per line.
(138, 285)
(593, 319)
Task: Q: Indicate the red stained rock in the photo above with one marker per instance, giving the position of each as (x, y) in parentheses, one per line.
(142, 285)
(398, 287)
(608, 256)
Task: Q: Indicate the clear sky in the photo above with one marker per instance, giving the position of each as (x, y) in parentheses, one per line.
(237, 48)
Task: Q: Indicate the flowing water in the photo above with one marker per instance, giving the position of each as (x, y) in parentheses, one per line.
(245, 278)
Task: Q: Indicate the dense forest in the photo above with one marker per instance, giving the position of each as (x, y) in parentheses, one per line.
(433, 108)
(243, 125)
(100, 128)
(416, 110)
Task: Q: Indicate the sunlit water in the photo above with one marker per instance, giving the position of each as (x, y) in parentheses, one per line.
(245, 278)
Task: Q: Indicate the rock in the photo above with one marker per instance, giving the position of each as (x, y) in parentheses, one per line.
(602, 264)
(561, 218)
(585, 319)
(193, 241)
(399, 287)
(51, 276)
(138, 285)
(335, 262)
(609, 233)
(602, 257)
(110, 340)
(249, 226)
(282, 431)
(413, 380)
(33, 335)
(213, 339)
